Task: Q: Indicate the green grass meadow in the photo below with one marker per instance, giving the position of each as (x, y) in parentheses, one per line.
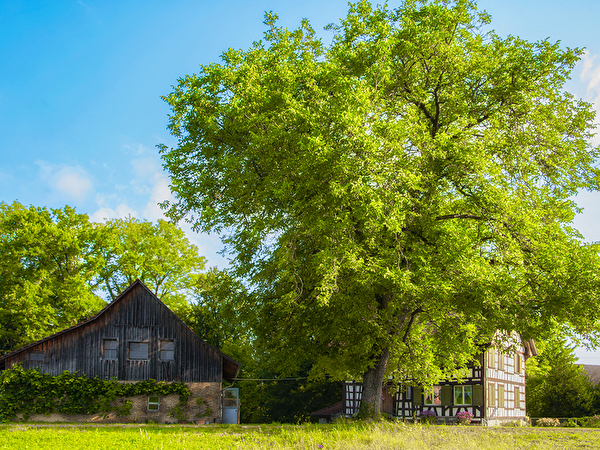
(378, 436)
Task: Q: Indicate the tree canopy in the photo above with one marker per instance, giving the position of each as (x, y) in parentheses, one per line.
(47, 272)
(396, 197)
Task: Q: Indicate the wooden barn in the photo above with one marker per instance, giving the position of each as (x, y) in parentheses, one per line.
(135, 337)
(494, 391)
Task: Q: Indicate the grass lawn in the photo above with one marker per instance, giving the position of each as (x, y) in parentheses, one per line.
(343, 436)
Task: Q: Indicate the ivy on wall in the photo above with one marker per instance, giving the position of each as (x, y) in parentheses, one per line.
(31, 392)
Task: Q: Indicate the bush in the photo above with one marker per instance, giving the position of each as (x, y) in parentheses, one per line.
(427, 416)
(547, 422)
(464, 417)
(590, 422)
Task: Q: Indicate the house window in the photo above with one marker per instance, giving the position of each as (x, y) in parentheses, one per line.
(517, 397)
(167, 350)
(138, 350)
(463, 395)
(517, 363)
(433, 396)
(109, 349)
(501, 396)
(500, 361)
(153, 403)
(36, 356)
(491, 395)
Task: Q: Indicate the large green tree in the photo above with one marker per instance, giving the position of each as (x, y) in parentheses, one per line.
(396, 197)
(47, 272)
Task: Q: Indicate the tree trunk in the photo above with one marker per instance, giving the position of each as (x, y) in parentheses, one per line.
(372, 386)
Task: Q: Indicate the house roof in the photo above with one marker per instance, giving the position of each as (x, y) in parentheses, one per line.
(230, 366)
(329, 411)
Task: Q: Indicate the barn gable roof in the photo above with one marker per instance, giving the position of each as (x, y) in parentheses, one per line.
(230, 366)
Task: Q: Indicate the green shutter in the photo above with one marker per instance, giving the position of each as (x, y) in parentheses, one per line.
(446, 395)
(478, 395)
(417, 397)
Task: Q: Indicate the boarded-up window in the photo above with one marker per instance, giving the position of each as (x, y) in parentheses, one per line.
(501, 396)
(167, 350)
(517, 397)
(153, 403)
(109, 349)
(36, 356)
(500, 361)
(517, 363)
(138, 350)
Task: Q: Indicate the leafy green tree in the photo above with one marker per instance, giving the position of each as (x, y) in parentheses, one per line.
(158, 254)
(395, 198)
(556, 385)
(47, 272)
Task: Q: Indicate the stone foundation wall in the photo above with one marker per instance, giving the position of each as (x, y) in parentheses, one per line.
(206, 410)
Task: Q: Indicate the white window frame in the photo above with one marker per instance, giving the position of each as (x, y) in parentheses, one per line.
(462, 389)
(153, 403)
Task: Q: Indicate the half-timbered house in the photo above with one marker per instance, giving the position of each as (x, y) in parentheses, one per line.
(135, 337)
(494, 390)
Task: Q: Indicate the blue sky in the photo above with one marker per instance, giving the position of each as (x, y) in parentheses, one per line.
(80, 87)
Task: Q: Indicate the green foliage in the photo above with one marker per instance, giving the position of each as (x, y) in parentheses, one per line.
(556, 386)
(30, 392)
(396, 197)
(47, 272)
(284, 400)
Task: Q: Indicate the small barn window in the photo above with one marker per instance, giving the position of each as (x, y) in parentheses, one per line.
(36, 356)
(167, 350)
(109, 349)
(153, 403)
(138, 350)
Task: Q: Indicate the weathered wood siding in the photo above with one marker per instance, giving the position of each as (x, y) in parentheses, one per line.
(137, 316)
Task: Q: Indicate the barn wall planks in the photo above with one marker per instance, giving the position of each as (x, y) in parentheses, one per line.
(136, 317)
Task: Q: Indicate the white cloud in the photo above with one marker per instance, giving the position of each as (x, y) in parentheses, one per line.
(72, 182)
(159, 193)
(105, 213)
(590, 78)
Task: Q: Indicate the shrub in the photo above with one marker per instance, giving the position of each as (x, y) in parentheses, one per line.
(427, 416)
(547, 422)
(464, 417)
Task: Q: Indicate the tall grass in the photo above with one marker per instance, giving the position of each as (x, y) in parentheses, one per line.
(372, 436)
